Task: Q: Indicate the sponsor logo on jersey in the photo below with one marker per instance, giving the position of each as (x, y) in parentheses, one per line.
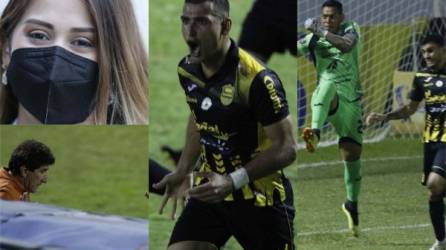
(277, 102)
(191, 87)
(214, 130)
(227, 94)
(206, 104)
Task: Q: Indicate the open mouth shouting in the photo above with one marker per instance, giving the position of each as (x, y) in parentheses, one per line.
(194, 52)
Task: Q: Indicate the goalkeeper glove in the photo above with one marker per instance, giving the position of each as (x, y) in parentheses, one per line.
(313, 25)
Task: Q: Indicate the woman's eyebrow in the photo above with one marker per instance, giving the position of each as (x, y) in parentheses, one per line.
(41, 23)
(50, 26)
(79, 30)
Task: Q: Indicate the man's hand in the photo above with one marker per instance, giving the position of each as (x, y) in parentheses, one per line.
(215, 190)
(176, 187)
(313, 25)
(374, 118)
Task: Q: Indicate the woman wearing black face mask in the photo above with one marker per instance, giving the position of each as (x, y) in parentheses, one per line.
(70, 62)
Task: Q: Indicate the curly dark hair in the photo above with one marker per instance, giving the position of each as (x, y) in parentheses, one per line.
(32, 154)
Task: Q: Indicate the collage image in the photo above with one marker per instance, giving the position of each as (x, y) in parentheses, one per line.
(222, 124)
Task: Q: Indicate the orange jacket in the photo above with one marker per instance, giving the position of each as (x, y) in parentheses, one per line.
(11, 187)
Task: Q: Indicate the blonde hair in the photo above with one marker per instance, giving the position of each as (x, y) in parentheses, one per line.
(122, 95)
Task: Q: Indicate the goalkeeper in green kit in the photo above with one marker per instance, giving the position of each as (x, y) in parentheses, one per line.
(333, 46)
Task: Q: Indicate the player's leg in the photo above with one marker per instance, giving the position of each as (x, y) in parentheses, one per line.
(348, 124)
(264, 228)
(200, 226)
(323, 101)
(435, 155)
(351, 154)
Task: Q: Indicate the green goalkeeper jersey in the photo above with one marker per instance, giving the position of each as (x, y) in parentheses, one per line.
(333, 65)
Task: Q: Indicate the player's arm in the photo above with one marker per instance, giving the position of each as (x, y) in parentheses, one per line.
(174, 182)
(344, 43)
(401, 113)
(191, 151)
(281, 153)
(298, 54)
(415, 96)
(302, 44)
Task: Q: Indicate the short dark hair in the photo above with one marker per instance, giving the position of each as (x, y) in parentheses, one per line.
(32, 154)
(433, 38)
(220, 6)
(333, 3)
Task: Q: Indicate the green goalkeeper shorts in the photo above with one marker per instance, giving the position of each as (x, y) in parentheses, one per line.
(347, 119)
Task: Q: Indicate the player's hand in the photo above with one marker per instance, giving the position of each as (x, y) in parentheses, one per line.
(215, 190)
(374, 118)
(313, 25)
(25, 197)
(176, 187)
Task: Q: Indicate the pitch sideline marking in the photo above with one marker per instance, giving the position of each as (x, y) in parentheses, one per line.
(330, 163)
(380, 228)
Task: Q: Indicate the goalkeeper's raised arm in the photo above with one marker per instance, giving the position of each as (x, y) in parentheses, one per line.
(342, 37)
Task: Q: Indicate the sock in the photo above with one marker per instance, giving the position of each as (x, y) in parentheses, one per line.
(352, 179)
(352, 206)
(436, 211)
(320, 103)
(317, 132)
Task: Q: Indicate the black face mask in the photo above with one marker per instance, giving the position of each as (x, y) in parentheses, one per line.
(53, 84)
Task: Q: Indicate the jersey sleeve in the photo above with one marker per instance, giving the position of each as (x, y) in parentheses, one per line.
(180, 69)
(303, 45)
(267, 98)
(351, 28)
(416, 93)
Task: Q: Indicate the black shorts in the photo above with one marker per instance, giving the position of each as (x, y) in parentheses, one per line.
(269, 27)
(434, 159)
(255, 228)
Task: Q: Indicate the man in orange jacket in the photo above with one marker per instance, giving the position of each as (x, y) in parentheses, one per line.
(27, 170)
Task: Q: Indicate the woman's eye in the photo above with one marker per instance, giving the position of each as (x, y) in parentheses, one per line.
(38, 36)
(82, 43)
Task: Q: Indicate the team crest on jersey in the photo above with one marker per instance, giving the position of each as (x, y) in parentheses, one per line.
(227, 94)
(439, 83)
(206, 103)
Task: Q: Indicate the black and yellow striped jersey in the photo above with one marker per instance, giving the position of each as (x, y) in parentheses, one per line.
(431, 86)
(230, 110)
